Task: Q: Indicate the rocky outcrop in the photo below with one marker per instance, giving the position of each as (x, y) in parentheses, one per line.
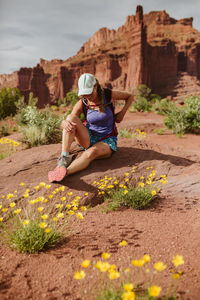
(152, 49)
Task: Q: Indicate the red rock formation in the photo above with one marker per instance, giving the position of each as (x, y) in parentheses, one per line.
(153, 49)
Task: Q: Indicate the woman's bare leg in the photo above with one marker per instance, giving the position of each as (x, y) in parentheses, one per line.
(99, 150)
(80, 133)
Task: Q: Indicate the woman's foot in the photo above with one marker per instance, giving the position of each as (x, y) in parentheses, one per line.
(60, 171)
(57, 174)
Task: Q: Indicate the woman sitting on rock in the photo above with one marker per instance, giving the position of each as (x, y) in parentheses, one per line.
(99, 136)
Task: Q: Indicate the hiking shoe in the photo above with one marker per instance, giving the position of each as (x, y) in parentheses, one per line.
(64, 161)
(57, 175)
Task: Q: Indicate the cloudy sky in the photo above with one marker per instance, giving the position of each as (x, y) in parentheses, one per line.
(34, 29)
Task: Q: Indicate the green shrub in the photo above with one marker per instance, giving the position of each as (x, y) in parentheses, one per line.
(142, 104)
(136, 197)
(110, 294)
(185, 119)
(125, 133)
(70, 99)
(37, 128)
(5, 130)
(8, 99)
(163, 106)
(144, 98)
(32, 238)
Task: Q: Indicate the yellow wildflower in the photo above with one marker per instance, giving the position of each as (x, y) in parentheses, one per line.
(50, 196)
(9, 196)
(26, 222)
(68, 206)
(59, 205)
(32, 202)
(128, 287)
(178, 260)
(86, 194)
(17, 211)
(47, 230)
(79, 275)
(80, 216)
(153, 192)
(70, 212)
(70, 193)
(48, 186)
(4, 209)
(154, 291)
(22, 183)
(83, 208)
(1, 219)
(55, 219)
(43, 225)
(75, 208)
(138, 263)
(26, 195)
(114, 275)
(125, 192)
(123, 243)
(42, 184)
(126, 174)
(15, 191)
(44, 217)
(63, 198)
(12, 204)
(36, 187)
(105, 255)
(40, 209)
(141, 184)
(102, 266)
(40, 199)
(146, 258)
(159, 266)
(85, 263)
(62, 188)
(127, 270)
(60, 215)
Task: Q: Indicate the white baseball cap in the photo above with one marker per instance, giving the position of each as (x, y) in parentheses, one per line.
(86, 84)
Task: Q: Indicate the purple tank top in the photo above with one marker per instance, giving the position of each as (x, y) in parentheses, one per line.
(101, 123)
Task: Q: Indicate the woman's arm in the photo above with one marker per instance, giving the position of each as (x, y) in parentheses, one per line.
(128, 97)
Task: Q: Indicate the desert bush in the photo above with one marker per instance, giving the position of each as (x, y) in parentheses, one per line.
(4, 130)
(185, 119)
(8, 99)
(144, 98)
(163, 106)
(32, 238)
(125, 133)
(70, 99)
(37, 128)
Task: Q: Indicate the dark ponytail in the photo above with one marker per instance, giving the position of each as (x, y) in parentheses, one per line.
(100, 96)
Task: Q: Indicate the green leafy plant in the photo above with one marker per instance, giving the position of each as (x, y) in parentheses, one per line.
(136, 197)
(70, 99)
(185, 119)
(37, 128)
(125, 133)
(5, 130)
(8, 99)
(159, 131)
(163, 106)
(32, 238)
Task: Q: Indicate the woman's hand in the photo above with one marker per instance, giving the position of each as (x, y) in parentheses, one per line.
(69, 126)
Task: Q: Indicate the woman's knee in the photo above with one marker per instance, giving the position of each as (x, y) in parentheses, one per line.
(91, 153)
(72, 118)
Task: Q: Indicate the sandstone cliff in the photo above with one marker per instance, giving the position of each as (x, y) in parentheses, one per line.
(153, 49)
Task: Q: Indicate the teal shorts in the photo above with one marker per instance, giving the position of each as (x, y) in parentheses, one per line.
(111, 141)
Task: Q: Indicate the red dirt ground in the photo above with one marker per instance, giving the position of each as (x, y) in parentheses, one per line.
(170, 226)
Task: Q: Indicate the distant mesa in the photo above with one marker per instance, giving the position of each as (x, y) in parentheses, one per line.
(154, 49)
